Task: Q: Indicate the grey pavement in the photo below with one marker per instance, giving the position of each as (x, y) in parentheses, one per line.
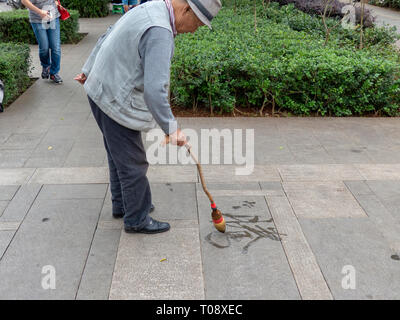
(319, 212)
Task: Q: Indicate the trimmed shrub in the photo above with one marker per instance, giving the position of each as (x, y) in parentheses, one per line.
(334, 9)
(14, 69)
(15, 27)
(386, 3)
(88, 8)
(283, 68)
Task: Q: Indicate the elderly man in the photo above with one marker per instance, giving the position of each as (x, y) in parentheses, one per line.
(126, 79)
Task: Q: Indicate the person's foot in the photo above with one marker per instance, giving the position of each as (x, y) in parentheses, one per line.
(152, 227)
(121, 215)
(46, 73)
(56, 78)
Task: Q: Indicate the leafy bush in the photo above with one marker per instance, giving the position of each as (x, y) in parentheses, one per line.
(281, 67)
(15, 27)
(386, 3)
(334, 9)
(88, 8)
(14, 69)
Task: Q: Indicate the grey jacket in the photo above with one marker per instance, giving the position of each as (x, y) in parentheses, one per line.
(121, 78)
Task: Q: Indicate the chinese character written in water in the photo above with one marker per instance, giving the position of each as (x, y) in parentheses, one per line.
(246, 228)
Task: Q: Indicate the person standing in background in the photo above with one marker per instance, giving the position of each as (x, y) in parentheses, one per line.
(45, 22)
(129, 4)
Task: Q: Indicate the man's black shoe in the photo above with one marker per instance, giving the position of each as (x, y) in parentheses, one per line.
(153, 226)
(46, 73)
(121, 215)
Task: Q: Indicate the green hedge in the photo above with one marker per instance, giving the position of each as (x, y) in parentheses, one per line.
(386, 3)
(15, 27)
(88, 8)
(14, 69)
(277, 65)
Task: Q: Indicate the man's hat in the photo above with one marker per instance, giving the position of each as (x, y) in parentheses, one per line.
(205, 10)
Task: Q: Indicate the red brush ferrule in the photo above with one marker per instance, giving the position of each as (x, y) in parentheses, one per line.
(219, 220)
(213, 206)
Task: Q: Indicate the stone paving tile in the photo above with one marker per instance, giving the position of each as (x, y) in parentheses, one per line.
(3, 206)
(344, 153)
(49, 154)
(21, 141)
(70, 175)
(228, 174)
(309, 279)
(85, 157)
(247, 261)
(310, 154)
(322, 200)
(15, 176)
(7, 192)
(358, 187)
(388, 193)
(272, 188)
(14, 158)
(142, 273)
(353, 242)
(21, 203)
(98, 272)
(38, 243)
(378, 171)
(320, 172)
(5, 239)
(73, 191)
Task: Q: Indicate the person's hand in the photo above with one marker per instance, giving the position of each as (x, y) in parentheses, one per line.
(177, 138)
(81, 78)
(44, 14)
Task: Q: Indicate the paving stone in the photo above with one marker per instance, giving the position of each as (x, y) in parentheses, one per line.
(73, 191)
(3, 206)
(15, 176)
(7, 192)
(70, 175)
(56, 233)
(358, 187)
(379, 171)
(322, 199)
(310, 154)
(14, 158)
(322, 172)
(228, 174)
(165, 174)
(22, 141)
(388, 193)
(174, 201)
(21, 203)
(356, 242)
(247, 261)
(5, 239)
(9, 226)
(97, 276)
(85, 157)
(272, 188)
(141, 273)
(49, 154)
(308, 276)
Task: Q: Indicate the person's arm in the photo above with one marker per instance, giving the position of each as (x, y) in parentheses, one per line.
(92, 58)
(155, 49)
(43, 13)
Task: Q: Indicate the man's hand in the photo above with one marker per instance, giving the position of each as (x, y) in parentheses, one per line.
(177, 138)
(81, 78)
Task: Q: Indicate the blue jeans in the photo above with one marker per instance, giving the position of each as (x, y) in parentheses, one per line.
(127, 163)
(48, 38)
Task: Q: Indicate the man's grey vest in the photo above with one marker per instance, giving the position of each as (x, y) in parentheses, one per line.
(115, 81)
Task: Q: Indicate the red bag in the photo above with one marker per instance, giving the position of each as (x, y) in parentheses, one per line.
(64, 12)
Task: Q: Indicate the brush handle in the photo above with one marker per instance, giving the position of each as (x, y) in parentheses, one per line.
(199, 169)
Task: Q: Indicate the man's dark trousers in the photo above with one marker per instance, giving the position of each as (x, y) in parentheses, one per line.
(128, 166)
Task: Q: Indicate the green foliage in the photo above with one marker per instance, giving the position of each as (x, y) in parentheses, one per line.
(386, 3)
(15, 27)
(88, 8)
(14, 68)
(284, 63)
